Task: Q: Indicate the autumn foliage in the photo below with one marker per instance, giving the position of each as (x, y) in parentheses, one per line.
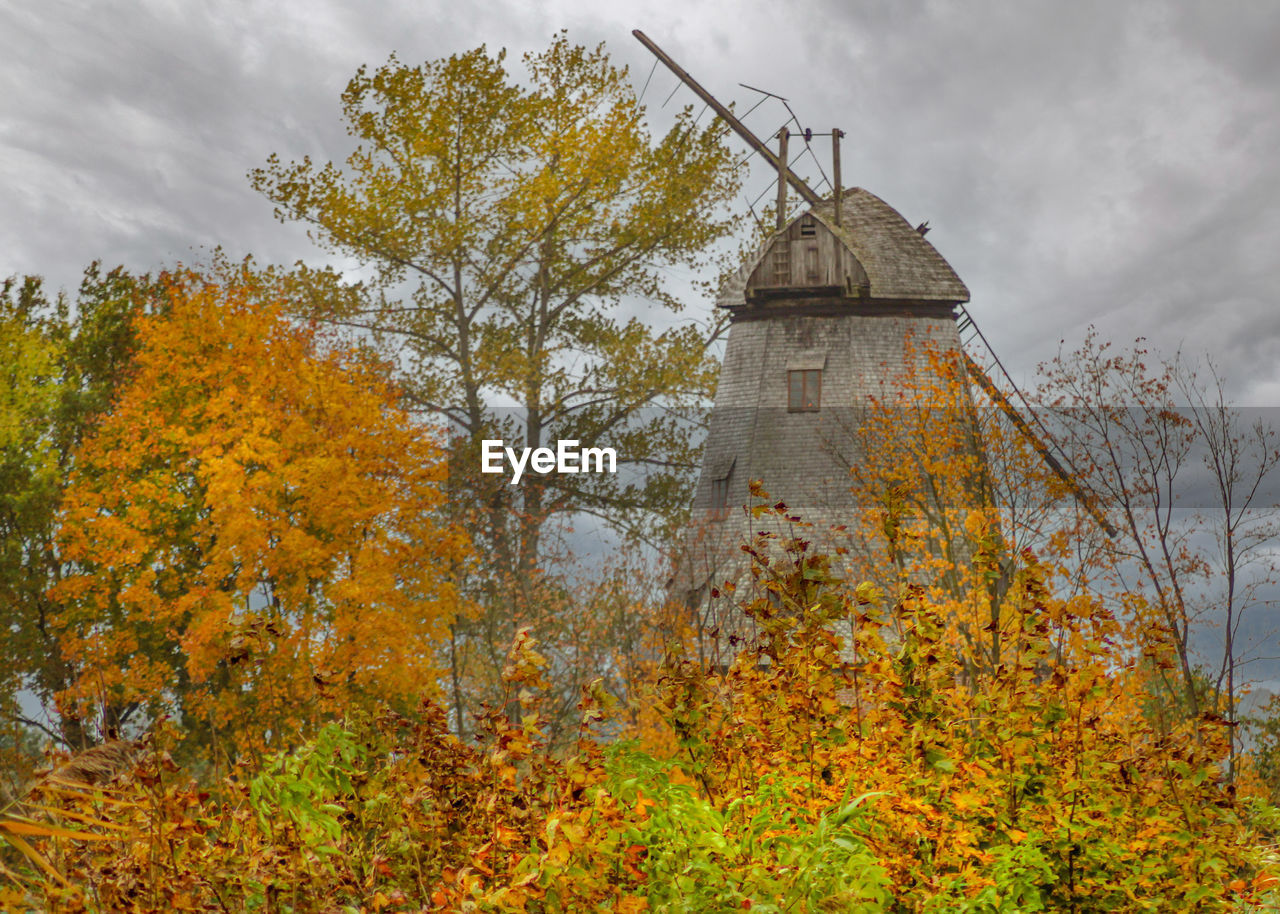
(1030, 784)
(264, 586)
(264, 582)
(254, 533)
(293, 663)
(895, 783)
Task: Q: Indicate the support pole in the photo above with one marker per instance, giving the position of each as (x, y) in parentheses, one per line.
(836, 133)
(783, 135)
(740, 128)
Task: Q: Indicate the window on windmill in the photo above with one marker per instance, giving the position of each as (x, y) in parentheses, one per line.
(720, 498)
(808, 228)
(804, 390)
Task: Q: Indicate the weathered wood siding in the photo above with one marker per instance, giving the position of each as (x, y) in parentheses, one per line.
(807, 256)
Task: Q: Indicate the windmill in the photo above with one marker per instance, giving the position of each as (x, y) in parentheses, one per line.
(824, 316)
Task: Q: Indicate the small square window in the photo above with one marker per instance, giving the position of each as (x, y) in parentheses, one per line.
(804, 390)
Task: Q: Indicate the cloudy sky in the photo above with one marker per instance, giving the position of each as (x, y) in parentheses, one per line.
(1080, 163)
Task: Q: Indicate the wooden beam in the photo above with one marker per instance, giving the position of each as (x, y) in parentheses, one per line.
(783, 135)
(740, 128)
(836, 133)
(1085, 498)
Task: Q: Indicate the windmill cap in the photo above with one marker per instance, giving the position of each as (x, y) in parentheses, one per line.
(901, 265)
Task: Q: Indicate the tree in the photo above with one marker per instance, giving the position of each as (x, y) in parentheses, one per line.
(510, 227)
(254, 529)
(1239, 457)
(64, 363)
(1187, 479)
(940, 478)
(28, 475)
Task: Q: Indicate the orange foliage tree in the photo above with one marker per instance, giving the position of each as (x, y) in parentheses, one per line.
(945, 479)
(254, 529)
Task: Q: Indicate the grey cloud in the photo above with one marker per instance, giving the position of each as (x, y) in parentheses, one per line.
(1084, 162)
(1079, 162)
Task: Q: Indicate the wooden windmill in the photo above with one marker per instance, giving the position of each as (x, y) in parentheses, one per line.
(829, 312)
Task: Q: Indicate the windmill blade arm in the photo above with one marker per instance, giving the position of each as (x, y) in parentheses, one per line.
(1086, 499)
(740, 128)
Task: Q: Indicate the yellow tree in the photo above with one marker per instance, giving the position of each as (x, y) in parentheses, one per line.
(511, 227)
(29, 391)
(255, 529)
(62, 362)
(944, 479)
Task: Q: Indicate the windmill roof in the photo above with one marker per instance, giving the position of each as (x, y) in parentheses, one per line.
(900, 264)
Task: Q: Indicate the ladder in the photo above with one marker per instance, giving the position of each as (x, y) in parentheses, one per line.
(972, 338)
(782, 262)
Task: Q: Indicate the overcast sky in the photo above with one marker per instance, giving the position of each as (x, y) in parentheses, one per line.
(1080, 163)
